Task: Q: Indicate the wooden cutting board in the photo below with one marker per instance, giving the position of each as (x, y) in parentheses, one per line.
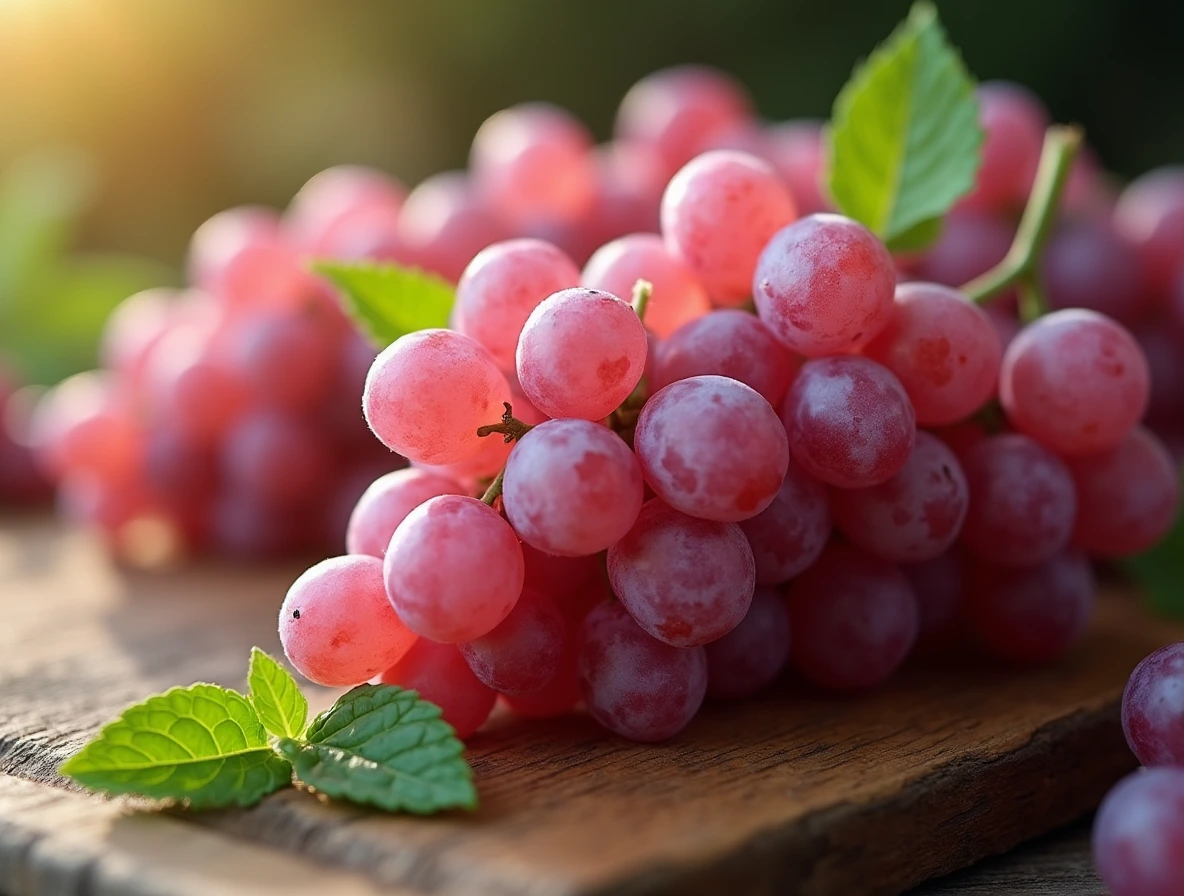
(789, 793)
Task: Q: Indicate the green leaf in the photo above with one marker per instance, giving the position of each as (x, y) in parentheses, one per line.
(384, 746)
(282, 709)
(1159, 572)
(388, 301)
(202, 744)
(904, 138)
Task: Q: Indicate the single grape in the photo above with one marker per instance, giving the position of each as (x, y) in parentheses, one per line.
(86, 424)
(678, 111)
(581, 353)
(1150, 213)
(264, 347)
(686, 581)
(789, 534)
(712, 447)
(943, 349)
(635, 685)
(1088, 265)
(560, 695)
(1075, 381)
(572, 488)
(915, 515)
(1014, 121)
(502, 285)
(441, 676)
(1022, 501)
(136, 324)
(718, 213)
(277, 458)
(678, 296)
(1138, 836)
(534, 162)
(728, 343)
(337, 626)
(849, 421)
(1153, 708)
(387, 502)
(227, 240)
(971, 243)
(453, 569)
(938, 585)
(797, 152)
(1032, 614)
(429, 392)
(752, 654)
(524, 652)
(852, 620)
(444, 223)
(315, 217)
(1164, 350)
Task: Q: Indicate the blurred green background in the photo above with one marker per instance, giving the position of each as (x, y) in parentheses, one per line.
(189, 107)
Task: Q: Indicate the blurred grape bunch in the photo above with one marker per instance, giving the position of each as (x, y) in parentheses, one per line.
(53, 301)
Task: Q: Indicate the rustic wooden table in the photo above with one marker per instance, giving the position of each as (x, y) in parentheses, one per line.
(789, 793)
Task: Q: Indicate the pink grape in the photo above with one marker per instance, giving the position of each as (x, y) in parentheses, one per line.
(751, 655)
(191, 388)
(1088, 265)
(502, 285)
(560, 695)
(1014, 121)
(938, 585)
(444, 223)
(247, 527)
(136, 324)
(849, 421)
(1127, 497)
(728, 343)
(429, 392)
(824, 284)
(177, 468)
(679, 110)
(1006, 323)
(718, 213)
(559, 577)
(796, 150)
(263, 349)
(1150, 213)
(1022, 501)
(943, 349)
(85, 423)
(453, 569)
(581, 353)
(712, 447)
(1032, 614)
(439, 673)
(1164, 350)
(789, 534)
(1075, 381)
(686, 581)
(337, 626)
(228, 238)
(678, 296)
(317, 212)
(387, 502)
(1153, 708)
(852, 620)
(633, 684)
(572, 488)
(278, 458)
(532, 162)
(971, 243)
(630, 178)
(915, 515)
(522, 655)
(1138, 836)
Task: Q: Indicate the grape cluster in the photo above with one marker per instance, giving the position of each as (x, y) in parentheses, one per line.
(21, 481)
(224, 416)
(781, 447)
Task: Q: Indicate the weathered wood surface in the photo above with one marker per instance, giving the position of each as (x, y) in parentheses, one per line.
(790, 793)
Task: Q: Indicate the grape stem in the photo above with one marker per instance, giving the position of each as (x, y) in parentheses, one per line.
(495, 488)
(642, 290)
(1061, 143)
(510, 427)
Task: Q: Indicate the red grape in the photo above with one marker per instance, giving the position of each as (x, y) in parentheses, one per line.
(1138, 836)
(752, 654)
(1153, 708)
(938, 585)
(439, 673)
(1087, 265)
(1150, 213)
(797, 151)
(522, 655)
(444, 223)
(386, 503)
(1014, 121)
(789, 534)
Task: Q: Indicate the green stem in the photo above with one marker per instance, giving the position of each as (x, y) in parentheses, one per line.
(495, 489)
(1032, 302)
(1061, 143)
(642, 290)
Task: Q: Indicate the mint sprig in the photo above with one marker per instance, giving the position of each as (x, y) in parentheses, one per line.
(208, 747)
(387, 301)
(904, 136)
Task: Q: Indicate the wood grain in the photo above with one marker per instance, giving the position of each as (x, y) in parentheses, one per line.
(790, 793)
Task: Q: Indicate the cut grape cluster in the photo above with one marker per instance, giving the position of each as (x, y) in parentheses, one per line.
(745, 438)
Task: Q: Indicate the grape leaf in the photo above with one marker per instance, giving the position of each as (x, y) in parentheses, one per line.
(384, 746)
(388, 301)
(1159, 572)
(904, 137)
(282, 709)
(202, 744)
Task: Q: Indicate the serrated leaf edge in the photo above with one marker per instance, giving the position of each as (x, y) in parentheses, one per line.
(255, 651)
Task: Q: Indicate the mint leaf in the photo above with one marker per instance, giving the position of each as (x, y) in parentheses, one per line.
(384, 746)
(202, 744)
(282, 709)
(904, 137)
(388, 301)
(1159, 572)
